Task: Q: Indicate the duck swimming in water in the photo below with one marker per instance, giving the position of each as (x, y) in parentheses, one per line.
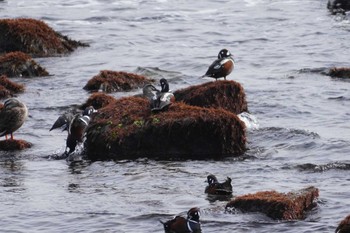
(222, 66)
(159, 100)
(12, 116)
(184, 225)
(216, 188)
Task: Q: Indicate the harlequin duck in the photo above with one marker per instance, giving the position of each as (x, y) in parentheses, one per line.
(159, 100)
(216, 188)
(77, 129)
(222, 66)
(344, 225)
(12, 116)
(184, 225)
(63, 121)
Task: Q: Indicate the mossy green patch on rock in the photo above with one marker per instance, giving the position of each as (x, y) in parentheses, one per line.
(228, 95)
(128, 129)
(18, 64)
(34, 37)
(114, 81)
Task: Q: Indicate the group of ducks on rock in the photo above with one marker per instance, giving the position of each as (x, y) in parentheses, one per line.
(191, 223)
(14, 112)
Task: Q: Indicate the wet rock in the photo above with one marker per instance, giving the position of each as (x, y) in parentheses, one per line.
(9, 88)
(114, 81)
(338, 6)
(127, 129)
(228, 95)
(34, 37)
(344, 225)
(18, 64)
(342, 72)
(98, 100)
(11, 145)
(277, 205)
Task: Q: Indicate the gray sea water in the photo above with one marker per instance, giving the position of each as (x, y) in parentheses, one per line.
(302, 136)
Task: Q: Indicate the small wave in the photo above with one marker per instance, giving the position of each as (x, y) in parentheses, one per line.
(249, 120)
(325, 167)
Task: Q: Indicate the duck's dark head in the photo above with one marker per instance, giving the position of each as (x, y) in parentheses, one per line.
(212, 179)
(89, 110)
(164, 84)
(193, 214)
(224, 53)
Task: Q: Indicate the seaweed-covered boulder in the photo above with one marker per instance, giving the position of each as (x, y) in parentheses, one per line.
(127, 129)
(277, 205)
(344, 225)
(228, 95)
(342, 72)
(114, 81)
(18, 64)
(98, 100)
(12, 145)
(34, 37)
(9, 88)
(338, 6)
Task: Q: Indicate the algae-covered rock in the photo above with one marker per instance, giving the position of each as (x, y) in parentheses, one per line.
(338, 6)
(344, 225)
(228, 95)
(12, 145)
(34, 37)
(339, 72)
(277, 205)
(18, 64)
(114, 81)
(9, 88)
(127, 129)
(98, 100)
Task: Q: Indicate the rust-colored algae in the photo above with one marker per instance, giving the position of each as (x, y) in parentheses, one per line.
(11, 145)
(128, 129)
(113, 81)
(344, 225)
(34, 37)
(342, 72)
(277, 205)
(98, 100)
(9, 88)
(18, 64)
(228, 95)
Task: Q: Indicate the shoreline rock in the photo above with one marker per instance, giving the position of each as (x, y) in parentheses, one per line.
(228, 95)
(339, 72)
(9, 88)
(34, 37)
(344, 225)
(18, 64)
(114, 81)
(12, 145)
(277, 205)
(98, 100)
(338, 6)
(127, 129)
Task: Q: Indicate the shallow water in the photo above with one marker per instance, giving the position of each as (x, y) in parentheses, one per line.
(302, 139)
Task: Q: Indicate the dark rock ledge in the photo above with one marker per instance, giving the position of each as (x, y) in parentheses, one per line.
(275, 205)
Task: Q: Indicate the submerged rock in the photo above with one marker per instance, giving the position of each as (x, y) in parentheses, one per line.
(18, 64)
(113, 81)
(98, 100)
(338, 6)
(127, 129)
(228, 95)
(34, 37)
(344, 225)
(341, 72)
(11, 145)
(276, 205)
(9, 88)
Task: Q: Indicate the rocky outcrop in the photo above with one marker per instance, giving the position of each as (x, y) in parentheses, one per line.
(339, 72)
(98, 100)
(12, 145)
(338, 6)
(18, 64)
(9, 88)
(344, 225)
(114, 81)
(34, 37)
(228, 95)
(276, 205)
(127, 129)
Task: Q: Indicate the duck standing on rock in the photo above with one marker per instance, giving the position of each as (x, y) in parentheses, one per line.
(12, 116)
(184, 225)
(159, 100)
(216, 188)
(77, 127)
(222, 66)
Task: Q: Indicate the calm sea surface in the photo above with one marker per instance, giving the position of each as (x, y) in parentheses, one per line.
(302, 136)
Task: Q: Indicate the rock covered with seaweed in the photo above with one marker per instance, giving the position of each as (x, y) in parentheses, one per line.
(9, 88)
